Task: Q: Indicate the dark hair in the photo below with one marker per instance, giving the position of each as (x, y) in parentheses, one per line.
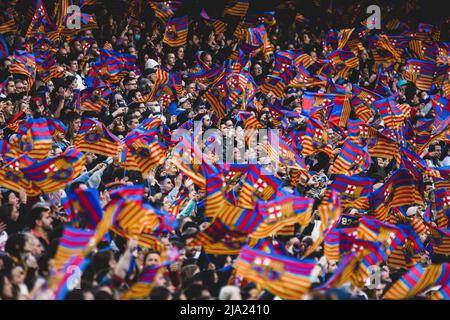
(5, 213)
(15, 244)
(194, 291)
(160, 293)
(127, 80)
(35, 214)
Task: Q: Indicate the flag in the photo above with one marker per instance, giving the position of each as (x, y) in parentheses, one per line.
(280, 152)
(12, 177)
(46, 66)
(237, 8)
(420, 72)
(162, 10)
(94, 137)
(62, 281)
(144, 284)
(73, 243)
(113, 65)
(55, 173)
(354, 158)
(417, 279)
(316, 139)
(24, 63)
(329, 212)
(353, 190)
(220, 238)
(4, 52)
(147, 152)
(342, 62)
(255, 39)
(389, 112)
(442, 202)
(176, 31)
(40, 22)
(34, 138)
(85, 204)
(259, 182)
(9, 26)
(399, 190)
(285, 277)
(281, 212)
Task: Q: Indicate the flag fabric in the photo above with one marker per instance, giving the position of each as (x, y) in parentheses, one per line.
(220, 238)
(176, 31)
(342, 62)
(316, 139)
(237, 8)
(281, 212)
(354, 158)
(280, 152)
(34, 138)
(62, 281)
(55, 173)
(72, 243)
(255, 39)
(12, 177)
(24, 63)
(9, 26)
(144, 284)
(84, 204)
(399, 190)
(4, 52)
(94, 137)
(420, 72)
(353, 190)
(258, 182)
(417, 279)
(285, 277)
(146, 151)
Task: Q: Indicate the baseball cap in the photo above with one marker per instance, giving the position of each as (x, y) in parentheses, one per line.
(151, 64)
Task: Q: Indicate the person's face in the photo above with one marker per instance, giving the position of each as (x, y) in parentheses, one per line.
(191, 88)
(208, 60)
(381, 162)
(132, 51)
(17, 275)
(160, 280)
(94, 49)
(13, 199)
(76, 125)
(186, 105)
(180, 53)
(9, 107)
(168, 185)
(11, 87)
(171, 59)
(206, 121)
(37, 247)
(88, 295)
(196, 40)
(134, 124)
(20, 87)
(229, 125)
(132, 85)
(438, 151)
(257, 70)
(46, 221)
(77, 46)
(90, 157)
(73, 66)
(153, 259)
